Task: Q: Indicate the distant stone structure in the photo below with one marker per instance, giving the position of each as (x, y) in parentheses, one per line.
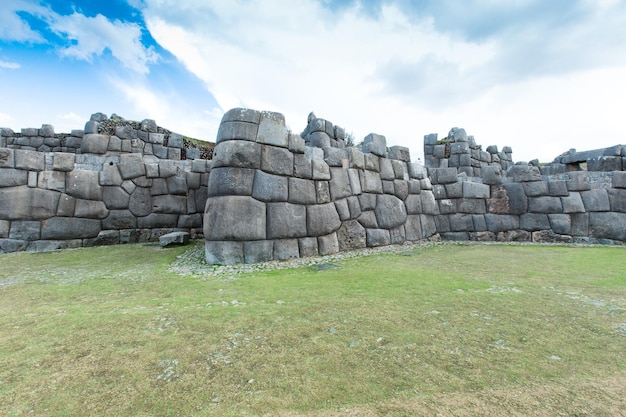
(114, 182)
(270, 194)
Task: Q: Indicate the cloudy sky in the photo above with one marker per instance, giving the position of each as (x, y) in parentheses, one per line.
(541, 76)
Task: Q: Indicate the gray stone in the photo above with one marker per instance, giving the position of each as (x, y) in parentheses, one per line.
(336, 157)
(356, 157)
(140, 202)
(199, 166)
(4, 228)
(272, 130)
(617, 198)
(131, 166)
(286, 249)
(148, 125)
(368, 219)
(413, 204)
(176, 185)
(231, 181)
(322, 219)
(524, 173)
(29, 160)
(12, 245)
(90, 209)
(302, 166)
(579, 181)
(90, 127)
(13, 178)
(144, 182)
(167, 169)
(371, 182)
(242, 115)
(342, 209)
(190, 221)
(480, 225)
(174, 238)
(390, 211)
(120, 219)
(158, 220)
(573, 203)
(459, 148)
(580, 224)
(65, 207)
(367, 201)
(596, 200)
(277, 160)
(461, 223)
(508, 199)
(415, 186)
(535, 188)
(557, 188)
(193, 181)
(7, 158)
(308, 247)
(400, 170)
(401, 189)
(285, 220)
(268, 187)
(548, 236)
(475, 190)
(605, 163)
(455, 190)
(501, 223)
(351, 235)
(32, 179)
(105, 237)
(534, 221)
(322, 192)
(607, 225)
(235, 218)
(400, 153)
(52, 180)
(16, 202)
(302, 191)
(375, 144)
(619, 178)
(377, 237)
(471, 205)
(128, 186)
(355, 181)
(429, 228)
(416, 171)
(156, 138)
(296, 144)
(429, 205)
(372, 162)
(62, 228)
(95, 143)
(237, 153)
(318, 140)
(456, 236)
(546, 205)
(169, 204)
(25, 230)
(386, 169)
(258, 251)
(328, 245)
(354, 206)
(110, 175)
(560, 223)
(320, 170)
(223, 253)
(445, 175)
(339, 184)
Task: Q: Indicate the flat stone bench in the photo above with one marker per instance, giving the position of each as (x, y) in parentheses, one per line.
(174, 238)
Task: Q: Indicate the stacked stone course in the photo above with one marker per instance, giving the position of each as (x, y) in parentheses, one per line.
(105, 190)
(275, 195)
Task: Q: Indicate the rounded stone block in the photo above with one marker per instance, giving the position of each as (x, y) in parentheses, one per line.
(63, 228)
(268, 187)
(237, 130)
(390, 211)
(286, 220)
(231, 181)
(239, 114)
(322, 219)
(223, 253)
(237, 154)
(234, 218)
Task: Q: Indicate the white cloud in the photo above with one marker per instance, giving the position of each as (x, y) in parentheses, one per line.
(13, 27)
(90, 36)
(401, 75)
(9, 65)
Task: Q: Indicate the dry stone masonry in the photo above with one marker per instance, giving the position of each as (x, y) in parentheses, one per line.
(89, 188)
(266, 193)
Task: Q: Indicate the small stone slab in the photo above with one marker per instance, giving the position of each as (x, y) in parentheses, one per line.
(174, 238)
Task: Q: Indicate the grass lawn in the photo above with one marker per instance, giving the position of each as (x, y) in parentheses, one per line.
(438, 330)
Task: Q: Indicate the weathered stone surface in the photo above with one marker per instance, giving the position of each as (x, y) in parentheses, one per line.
(13, 177)
(573, 203)
(301, 191)
(308, 247)
(501, 223)
(5, 226)
(471, 205)
(258, 251)
(51, 180)
(29, 160)
(285, 220)
(377, 237)
(242, 115)
(605, 163)
(557, 188)
(25, 230)
(322, 219)
(342, 209)
(90, 209)
(66, 206)
(545, 205)
(429, 228)
(286, 249)
(322, 192)
(62, 228)
(514, 236)
(428, 203)
(63, 161)
(596, 200)
(508, 198)
(371, 182)
(357, 160)
(523, 173)
(548, 236)
(157, 220)
(328, 245)
(335, 157)
(375, 144)
(351, 235)
(140, 202)
(176, 185)
(231, 181)
(368, 219)
(105, 237)
(617, 198)
(560, 223)
(400, 153)
(461, 222)
(277, 160)
(223, 253)
(167, 168)
(534, 221)
(320, 170)
(268, 187)
(174, 238)
(170, 204)
(475, 190)
(413, 204)
(272, 130)
(579, 181)
(131, 166)
(535, 188)
(120, 219)
(302, 166)
(390, 211)
(372, 162)
(619, 178)
(95, 143)
(580, 224)
(386, 169)
(492, 175)
(339, 184)
(296, 144)
(237, 154)
(190, 221)
(12, 245)
(235, 218)
(7, 158)
(401, 189)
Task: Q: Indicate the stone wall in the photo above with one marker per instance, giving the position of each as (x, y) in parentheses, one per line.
(106, 189)
(275, 195)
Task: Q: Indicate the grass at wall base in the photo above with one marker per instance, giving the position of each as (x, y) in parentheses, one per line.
(438, 330)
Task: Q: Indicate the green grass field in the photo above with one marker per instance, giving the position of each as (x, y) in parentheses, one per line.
(438, 330)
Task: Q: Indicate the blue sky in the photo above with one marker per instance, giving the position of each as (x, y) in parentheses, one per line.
(539, 76)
